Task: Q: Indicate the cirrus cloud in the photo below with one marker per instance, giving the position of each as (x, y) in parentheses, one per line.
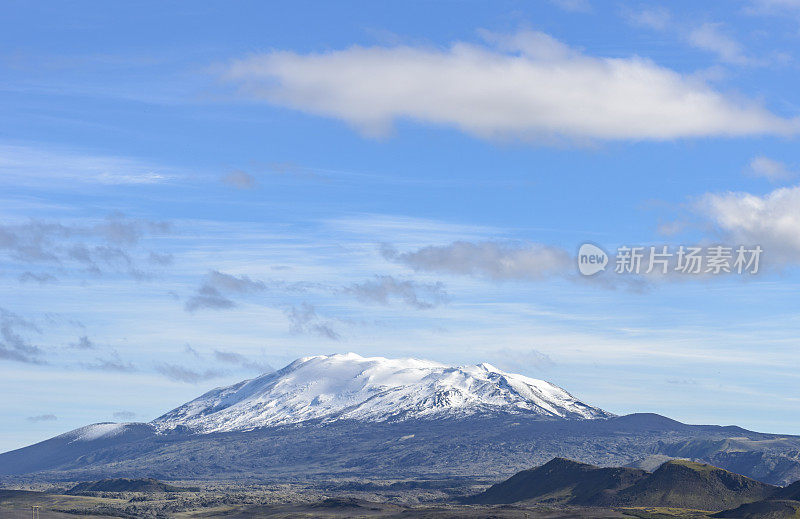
(772, 170)
(213, 293)
(42, 418)
(494, 260)
(383, 288)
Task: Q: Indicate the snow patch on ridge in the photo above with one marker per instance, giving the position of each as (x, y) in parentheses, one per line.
(96, 432)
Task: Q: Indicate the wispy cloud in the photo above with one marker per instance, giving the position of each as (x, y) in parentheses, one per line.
(83, 343)
(573, 6)
(715, 38)
(231, 357)
(712, 38)
(774, 6)
(240, 179)
(42, 418)
(210, 298)
(13, 345)
(213, 292)
(124, 415)
(383, 289)
(304, 319)
(191, 351)
(772, 170)
(157, 258)
(40, 278)
(516, 361)
(657, 17)
(93, 247)
(526, 86)
(44, 166)
(180, 373)
(494, 260)
(113, 364)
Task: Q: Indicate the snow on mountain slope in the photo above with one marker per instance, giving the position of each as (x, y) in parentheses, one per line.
(348, 386)
(96, 431)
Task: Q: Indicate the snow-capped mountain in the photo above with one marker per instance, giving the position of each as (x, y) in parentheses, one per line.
(375, 389)
(361, 415)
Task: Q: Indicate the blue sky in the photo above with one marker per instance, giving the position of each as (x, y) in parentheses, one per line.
(192, 193)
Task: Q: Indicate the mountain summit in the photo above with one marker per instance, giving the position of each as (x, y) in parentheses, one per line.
(373, 389)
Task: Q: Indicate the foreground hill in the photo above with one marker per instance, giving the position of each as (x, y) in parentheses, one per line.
(562, 481)
(686, 484)
(789, 492)
(676, 484)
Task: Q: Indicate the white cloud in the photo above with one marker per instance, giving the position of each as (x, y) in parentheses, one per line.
(709, 37)
(526, 87)
(657, 18)
(573, 6)
(772, 170)
(42, 418)
(772, 221)
(213, 292)
(240, 179)
(494, 260)
(775, 5)
(383, 289)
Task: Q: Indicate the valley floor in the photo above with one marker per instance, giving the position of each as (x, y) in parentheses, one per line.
(293, 501)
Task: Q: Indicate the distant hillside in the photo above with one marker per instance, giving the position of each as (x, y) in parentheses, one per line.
(562, 481)
(784, 503)
(677, 483)
(125, 485)
(475, 446)
(774, 458)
